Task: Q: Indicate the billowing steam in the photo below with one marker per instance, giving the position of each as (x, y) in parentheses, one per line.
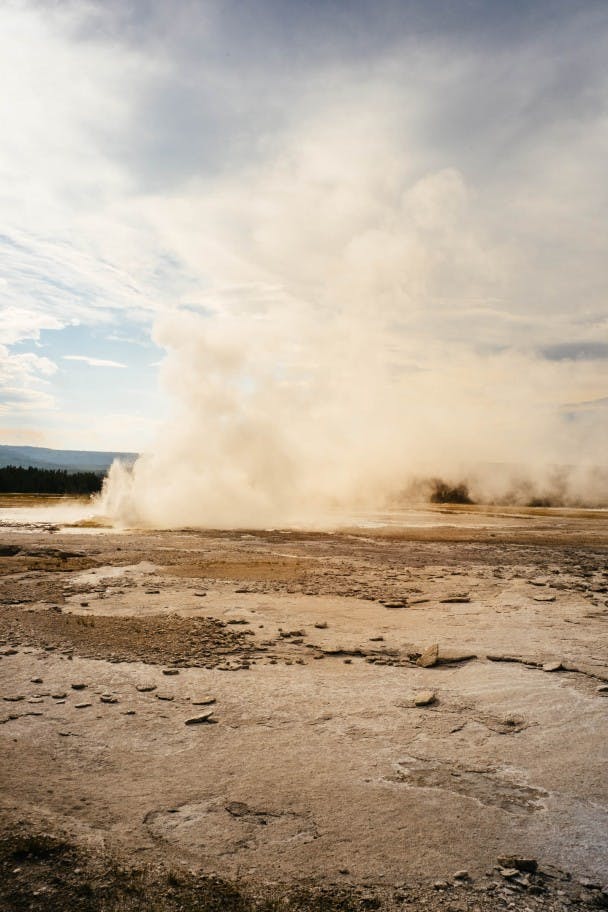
(364, 325)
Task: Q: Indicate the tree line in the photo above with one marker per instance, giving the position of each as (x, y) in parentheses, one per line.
(19, 480)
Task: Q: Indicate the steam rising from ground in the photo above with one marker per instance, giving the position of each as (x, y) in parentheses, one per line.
(366, 322)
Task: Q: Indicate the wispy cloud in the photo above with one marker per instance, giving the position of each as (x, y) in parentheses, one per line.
(93, 362)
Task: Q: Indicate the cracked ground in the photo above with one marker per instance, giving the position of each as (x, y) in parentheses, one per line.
(354, 711)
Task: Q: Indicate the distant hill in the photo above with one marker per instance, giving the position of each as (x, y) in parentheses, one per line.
(69, 460)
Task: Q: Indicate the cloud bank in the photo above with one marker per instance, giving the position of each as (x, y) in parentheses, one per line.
(370, 240)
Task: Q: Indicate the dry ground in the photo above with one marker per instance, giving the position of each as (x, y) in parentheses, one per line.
(317, 782)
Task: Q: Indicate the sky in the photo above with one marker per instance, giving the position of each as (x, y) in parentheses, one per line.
(419, 184)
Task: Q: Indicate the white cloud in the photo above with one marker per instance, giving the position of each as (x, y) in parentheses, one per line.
(93, 362)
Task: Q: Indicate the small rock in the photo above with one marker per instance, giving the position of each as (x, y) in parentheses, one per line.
(203, 701)
(145, 688)
(13, 698)
(552, 666)
(461, 875)
(602, 689)
(198, 720)
(163, 696)
(78, 686)
(544, 598)
(59, 696)
(36, 681)
(108, 698)
(127, 712)
(424, 697)
(429, 657)
(82, 705)
(456, 598)
(440, 885)
(170, 671)
(321, 625)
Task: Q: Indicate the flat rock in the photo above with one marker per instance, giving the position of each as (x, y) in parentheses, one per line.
(78, 686)
(170, 671)
(456, 598)
(82, 705)
(552, 666)
(544, 598)
(108, 698)
(429, 657)
(199, 720)
(508, 873)
(203, 701)
(424, 697)
(145, 688)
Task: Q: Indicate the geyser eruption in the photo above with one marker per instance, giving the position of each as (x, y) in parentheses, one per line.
(361, 327)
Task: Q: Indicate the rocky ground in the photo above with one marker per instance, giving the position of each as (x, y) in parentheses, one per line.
(406, 716)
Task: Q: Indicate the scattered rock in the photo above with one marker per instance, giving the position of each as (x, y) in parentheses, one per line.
(539, 581)
(321, 625)
(82, 705)
(59, 695)
(108, 698)
(552, 666)
(456, 598)
(170, 671)
(424, 697)
(13, 698)
(145, 688)
(429, 657)
(78, 686)
(36, 681)
(544, 598)
(203, 701)
(602, 689)
(164, 696)
(198, 720)
(461, 875)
